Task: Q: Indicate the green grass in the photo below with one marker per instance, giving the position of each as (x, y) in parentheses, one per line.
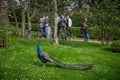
(20, 62)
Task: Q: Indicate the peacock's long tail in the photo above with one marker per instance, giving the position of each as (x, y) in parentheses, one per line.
(72, 66)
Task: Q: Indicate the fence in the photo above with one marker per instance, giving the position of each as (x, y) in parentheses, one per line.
(3, 40)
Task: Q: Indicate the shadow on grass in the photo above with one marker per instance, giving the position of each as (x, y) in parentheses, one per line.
(67, 66)
(110, 50)
(39, 64)
(107, 49)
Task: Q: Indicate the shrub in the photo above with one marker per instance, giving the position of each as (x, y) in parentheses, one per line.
(33, 25)
(76, 32)
(116, 46)
(14, 24)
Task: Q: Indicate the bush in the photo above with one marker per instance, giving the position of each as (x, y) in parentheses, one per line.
(76, 32)
(116, 46)
(14, 24)
(33, 25)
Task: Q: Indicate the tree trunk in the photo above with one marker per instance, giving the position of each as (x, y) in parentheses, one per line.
(23, 18)
(55, 36)
(4, 20)
(17, 28)
(30, 18)
(29, 30)
(23, 23)
(105, 41)
(29, 26)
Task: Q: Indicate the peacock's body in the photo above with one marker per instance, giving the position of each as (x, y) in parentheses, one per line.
(44, 57)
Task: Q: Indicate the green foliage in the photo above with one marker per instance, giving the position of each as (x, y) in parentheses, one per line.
(116, 46)
(2, 27)
(104, 15)
(14, 24)
(76, 32)
(34, 25)
(20, 62)
(76, 20)
(106, 32)
(2, 32)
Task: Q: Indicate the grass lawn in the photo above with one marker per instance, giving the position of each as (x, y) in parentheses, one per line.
(20, 62)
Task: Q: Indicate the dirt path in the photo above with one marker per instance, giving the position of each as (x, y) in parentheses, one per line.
(82, 40)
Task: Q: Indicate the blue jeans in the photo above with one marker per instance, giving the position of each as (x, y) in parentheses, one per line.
(43, 32)
(86, 35)
(48, 31)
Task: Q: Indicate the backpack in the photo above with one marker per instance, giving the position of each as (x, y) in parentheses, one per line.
(62, 23)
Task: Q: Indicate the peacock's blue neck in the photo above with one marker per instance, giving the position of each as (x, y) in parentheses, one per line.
(38, 49)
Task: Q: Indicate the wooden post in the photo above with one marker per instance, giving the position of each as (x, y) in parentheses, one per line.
(1, 38)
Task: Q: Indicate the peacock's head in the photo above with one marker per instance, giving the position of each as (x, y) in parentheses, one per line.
(38, 48)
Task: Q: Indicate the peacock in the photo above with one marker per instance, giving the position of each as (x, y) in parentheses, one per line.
(44, 57)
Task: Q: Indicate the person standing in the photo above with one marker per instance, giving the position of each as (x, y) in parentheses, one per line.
(63, 24)
(42, 27)
(47, 27)
(69, 24)
(58, 20)
(84, 30)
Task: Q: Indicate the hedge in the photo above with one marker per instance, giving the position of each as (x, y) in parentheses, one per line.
(34, 26)
(115, 46)
(75, 31)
